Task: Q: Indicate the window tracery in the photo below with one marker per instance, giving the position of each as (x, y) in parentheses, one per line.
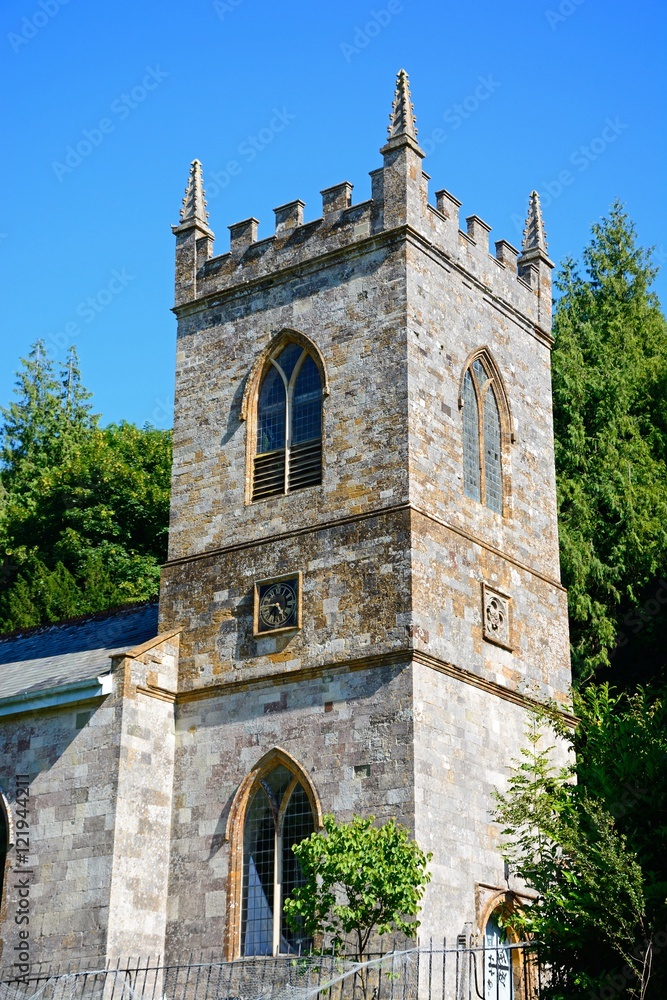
(288, 447)
(278, 815)
(481, 400)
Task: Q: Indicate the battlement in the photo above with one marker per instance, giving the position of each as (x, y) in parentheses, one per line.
(399, 208)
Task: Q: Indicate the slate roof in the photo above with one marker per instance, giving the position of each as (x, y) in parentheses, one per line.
(72, 651)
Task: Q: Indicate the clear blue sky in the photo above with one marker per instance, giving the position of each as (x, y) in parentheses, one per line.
(507, 96)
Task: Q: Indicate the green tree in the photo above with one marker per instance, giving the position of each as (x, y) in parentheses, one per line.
(593, 848)
(50, 415)
(621, 748)
(358, 879)
(610, 420)
(84, 510)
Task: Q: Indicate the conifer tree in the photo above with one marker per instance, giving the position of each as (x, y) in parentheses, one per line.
(30, 427)
(77, 416)
(609, 380)
(51, 412)
(84, 510)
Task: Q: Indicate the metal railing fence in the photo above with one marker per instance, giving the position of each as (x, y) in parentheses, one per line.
(508, 972)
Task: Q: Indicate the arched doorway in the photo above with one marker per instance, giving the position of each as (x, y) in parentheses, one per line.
(498, 973)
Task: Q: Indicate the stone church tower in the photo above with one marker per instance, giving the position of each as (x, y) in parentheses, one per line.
(361, 602)
(363, 553)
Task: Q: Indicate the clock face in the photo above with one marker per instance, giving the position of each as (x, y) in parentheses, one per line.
(278, 605)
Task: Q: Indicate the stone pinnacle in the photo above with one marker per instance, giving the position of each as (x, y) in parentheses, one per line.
(194, 203)
(534, 236)
(402, 116)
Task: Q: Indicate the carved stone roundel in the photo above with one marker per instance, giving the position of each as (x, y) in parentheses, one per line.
(495, 615)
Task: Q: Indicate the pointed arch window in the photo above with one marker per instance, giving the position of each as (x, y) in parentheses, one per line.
(279, 815)
(288, 452)
(482, 435)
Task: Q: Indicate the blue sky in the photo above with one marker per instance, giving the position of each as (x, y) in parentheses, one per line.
(564, 95)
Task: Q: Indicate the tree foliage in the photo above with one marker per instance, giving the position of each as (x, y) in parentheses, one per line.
(590, 839)
(610, 421)
(360, 879)
(84, 510)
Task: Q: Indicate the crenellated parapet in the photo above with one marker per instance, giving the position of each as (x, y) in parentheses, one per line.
(399, 208)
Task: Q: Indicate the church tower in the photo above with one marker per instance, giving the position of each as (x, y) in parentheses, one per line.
(363, 549)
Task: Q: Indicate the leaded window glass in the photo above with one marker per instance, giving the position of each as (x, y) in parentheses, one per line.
(493, 486)
(470, 439)
(279, 816)
(289, 425)
(482, 436)
(272, 408)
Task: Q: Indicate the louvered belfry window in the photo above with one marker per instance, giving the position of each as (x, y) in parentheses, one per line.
(288, 453)
(482, 460)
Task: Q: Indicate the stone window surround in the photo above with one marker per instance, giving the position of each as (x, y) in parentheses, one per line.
(507, 435)
(253, 385)
(234, 836)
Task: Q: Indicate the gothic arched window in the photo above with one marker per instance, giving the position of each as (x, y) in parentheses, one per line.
(279, 815)
(288, 448)
(481, 397)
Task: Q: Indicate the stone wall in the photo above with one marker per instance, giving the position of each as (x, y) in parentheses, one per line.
(101, 776)
(71, 756)
(351, 731)
(451, 313)
(356, 601)
(465, 739)
(138, 890)
(218, 344)
(448, 570)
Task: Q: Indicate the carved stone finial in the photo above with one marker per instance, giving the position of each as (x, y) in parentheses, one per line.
(402, 118)
(534, 236)
(194, 203)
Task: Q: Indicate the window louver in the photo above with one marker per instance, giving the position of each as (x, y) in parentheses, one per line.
(305, 467)
(269, 475)
(289, 425)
